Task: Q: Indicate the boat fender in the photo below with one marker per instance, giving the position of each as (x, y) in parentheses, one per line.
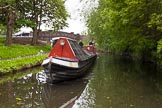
(50, 59)
(88, 48)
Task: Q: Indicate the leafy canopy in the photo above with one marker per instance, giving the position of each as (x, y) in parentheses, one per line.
(127, 26)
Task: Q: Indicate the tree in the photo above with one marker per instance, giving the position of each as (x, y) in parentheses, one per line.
(36, 12)
(131, 26)
(31, 13)
(8, 18)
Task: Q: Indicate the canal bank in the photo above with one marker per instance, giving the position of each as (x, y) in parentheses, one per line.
(20, 57)
(19, 64)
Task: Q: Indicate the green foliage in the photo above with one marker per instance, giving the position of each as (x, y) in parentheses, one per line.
(159, 52)
(2, 41)
(50, 12)
(25, 22)
(85, 42)
(31, 13)
(155, 21)
(10, 4)
(126, 26)
(159, 46)
(2, 29)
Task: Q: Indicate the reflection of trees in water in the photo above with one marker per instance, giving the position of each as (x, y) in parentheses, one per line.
(86, 100)
(57, 95)
(23, 92)
(26, 91)
(122, 83)
(10, 89)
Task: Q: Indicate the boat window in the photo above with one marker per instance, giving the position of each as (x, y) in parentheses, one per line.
(53, 43)
(80, 54)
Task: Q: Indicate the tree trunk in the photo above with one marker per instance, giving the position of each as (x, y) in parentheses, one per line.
(34, 39)
(10, 19)
(35, 20)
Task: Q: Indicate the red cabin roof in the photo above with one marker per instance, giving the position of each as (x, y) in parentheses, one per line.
(62, 49)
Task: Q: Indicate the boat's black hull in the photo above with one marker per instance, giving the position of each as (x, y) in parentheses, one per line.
(56, 73)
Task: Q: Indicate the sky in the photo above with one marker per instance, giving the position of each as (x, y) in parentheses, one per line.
(76, 25)
(74, 21)
(74, 8)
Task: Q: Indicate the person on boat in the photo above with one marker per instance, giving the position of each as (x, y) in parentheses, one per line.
(90, 43)
(81, 43)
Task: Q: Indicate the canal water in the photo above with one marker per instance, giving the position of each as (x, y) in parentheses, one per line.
(113, 82)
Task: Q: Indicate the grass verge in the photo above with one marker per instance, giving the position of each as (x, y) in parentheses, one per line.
(16, 50)
(8, 66)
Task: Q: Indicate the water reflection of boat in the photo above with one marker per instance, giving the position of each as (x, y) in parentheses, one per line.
(68, 60)
(62, 95)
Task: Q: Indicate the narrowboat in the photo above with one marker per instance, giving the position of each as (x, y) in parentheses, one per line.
(67, 60)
